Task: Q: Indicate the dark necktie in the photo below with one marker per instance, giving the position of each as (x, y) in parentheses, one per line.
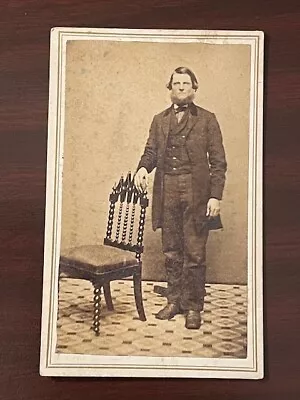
(181, 109)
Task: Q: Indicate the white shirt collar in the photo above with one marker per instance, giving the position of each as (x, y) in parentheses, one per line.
(177, 106)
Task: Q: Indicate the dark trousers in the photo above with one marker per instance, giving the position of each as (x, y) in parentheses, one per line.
(183, 246)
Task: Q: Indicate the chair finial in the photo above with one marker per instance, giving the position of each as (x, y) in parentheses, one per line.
(119, 185)
(127, 181)
(129, 178)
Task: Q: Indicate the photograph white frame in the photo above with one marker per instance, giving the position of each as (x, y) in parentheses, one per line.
(54, 364)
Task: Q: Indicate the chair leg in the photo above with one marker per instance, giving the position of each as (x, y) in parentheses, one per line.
(137, 285)
(107, 296)
(97, 309)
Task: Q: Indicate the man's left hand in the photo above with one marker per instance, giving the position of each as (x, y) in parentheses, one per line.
(213, 207)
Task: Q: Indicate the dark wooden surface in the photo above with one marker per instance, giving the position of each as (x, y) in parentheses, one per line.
(24, 56)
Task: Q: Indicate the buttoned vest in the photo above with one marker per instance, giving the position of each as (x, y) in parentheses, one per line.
(176, 157)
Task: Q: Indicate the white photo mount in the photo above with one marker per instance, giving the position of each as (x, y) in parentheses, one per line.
(53, 363)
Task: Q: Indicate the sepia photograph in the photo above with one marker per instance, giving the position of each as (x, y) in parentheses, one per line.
(153, 231)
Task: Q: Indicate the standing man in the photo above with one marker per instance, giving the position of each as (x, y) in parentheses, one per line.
(185, 146)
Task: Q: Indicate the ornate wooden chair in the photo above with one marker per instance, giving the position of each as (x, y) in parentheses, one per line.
(113, 259)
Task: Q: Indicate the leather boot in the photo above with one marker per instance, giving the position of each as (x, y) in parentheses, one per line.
(193, 319)
(168, 312)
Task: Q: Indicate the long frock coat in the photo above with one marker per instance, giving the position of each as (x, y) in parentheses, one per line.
(205, 149)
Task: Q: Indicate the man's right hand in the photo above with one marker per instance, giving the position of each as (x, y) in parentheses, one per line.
(141, 179)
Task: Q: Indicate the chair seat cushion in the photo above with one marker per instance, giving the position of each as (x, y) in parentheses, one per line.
(97, 258)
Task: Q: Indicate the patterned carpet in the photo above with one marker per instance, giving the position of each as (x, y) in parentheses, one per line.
(222, 334)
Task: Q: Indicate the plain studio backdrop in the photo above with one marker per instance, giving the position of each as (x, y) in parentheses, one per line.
(113, 90)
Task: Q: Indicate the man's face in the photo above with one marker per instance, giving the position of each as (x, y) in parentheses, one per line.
(182, 91)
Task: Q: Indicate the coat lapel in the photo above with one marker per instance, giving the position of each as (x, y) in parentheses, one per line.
(193, 118)
(166, 121)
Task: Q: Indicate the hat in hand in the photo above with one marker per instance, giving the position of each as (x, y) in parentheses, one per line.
(214, 223)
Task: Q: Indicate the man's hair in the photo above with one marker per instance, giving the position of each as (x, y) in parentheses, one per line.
(184, 70)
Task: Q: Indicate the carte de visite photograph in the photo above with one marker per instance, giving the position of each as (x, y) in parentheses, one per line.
(153, 233)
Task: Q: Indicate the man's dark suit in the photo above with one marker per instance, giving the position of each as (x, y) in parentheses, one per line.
(207, 164)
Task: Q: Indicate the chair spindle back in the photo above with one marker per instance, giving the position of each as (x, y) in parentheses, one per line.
(122, 235)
